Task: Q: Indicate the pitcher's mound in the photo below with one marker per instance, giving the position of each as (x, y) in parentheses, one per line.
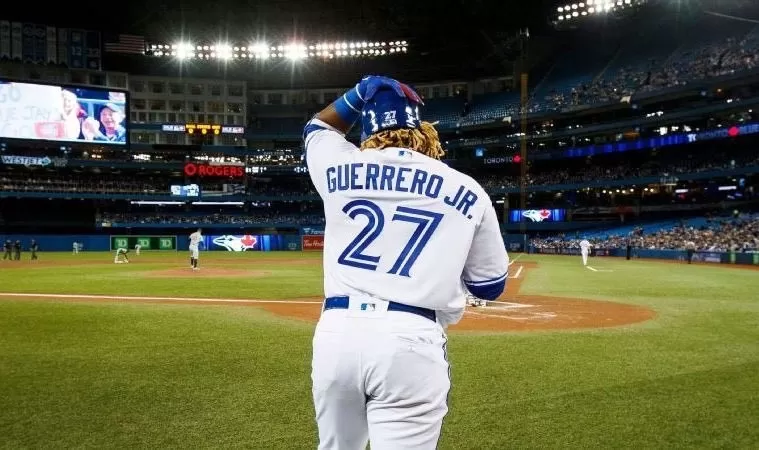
(207, 272)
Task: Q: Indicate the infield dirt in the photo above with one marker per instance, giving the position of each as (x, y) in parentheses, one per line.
(513, 311)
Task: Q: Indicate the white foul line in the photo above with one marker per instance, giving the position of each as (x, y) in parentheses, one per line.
(516, 259)
(533, 316)
(519, 272)
(156, 299)
(599, 270)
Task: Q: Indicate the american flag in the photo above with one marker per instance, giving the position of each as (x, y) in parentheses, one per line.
(126, 43)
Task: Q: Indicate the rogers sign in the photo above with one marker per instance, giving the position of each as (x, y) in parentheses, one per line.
(207, 170)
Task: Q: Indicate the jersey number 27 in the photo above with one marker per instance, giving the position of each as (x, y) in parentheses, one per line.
(354, 254)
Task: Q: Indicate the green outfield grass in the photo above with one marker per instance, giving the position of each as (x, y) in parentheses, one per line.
(125, 375)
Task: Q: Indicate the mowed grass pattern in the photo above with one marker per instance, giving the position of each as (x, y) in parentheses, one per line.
(121, 375)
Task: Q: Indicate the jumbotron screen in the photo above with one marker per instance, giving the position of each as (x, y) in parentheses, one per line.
(537, 215)
(63, 113)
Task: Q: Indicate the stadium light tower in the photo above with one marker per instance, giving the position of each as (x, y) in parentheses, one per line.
(571, 12)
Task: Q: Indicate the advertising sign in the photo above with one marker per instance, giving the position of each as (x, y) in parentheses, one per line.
(145, 242)
(62, 114)
(247, 242)
(208, 170)
(537, 215)
(313, 230)
(190, 190)
(313, 243)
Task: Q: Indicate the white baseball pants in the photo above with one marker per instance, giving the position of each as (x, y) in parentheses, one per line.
(584, 254)
(379, 376)
(194, 252)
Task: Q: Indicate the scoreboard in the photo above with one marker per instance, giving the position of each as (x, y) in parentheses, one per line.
(202, 128)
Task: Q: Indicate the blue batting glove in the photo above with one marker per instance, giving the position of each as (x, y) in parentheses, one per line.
(369, 86)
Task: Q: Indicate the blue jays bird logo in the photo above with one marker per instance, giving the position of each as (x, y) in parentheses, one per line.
(537, 215)
(236, 243)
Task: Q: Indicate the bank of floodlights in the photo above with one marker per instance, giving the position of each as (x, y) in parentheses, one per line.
(589, 8)
(292, 51)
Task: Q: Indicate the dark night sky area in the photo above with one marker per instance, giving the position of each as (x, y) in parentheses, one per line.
(440, 20)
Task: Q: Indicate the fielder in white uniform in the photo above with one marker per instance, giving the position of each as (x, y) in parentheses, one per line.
(584, 250)
(406, 239)
(195, 239)
(121, 256)
(137, 248)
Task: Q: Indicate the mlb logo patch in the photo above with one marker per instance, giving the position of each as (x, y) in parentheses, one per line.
(368, 307)
(406, 153)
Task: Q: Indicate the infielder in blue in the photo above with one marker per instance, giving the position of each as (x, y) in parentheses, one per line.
(406, 239)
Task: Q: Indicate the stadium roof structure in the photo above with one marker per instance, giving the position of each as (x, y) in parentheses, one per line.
(447, 39)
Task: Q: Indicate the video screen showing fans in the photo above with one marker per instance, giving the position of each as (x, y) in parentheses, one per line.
(537, 215)
(63, 113)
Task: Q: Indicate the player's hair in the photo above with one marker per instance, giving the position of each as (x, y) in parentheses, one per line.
(424, 140)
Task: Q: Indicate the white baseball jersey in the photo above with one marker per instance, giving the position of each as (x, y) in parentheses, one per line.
(403, 227)
(584, 245)
(195, 239)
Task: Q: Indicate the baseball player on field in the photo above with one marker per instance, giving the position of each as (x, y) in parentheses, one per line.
(121, 256)
(584, 250)
(137, 248)
(406, 239)
(195, 239)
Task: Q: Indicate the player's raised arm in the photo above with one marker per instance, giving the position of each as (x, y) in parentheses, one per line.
(324, 135)
(487, 264)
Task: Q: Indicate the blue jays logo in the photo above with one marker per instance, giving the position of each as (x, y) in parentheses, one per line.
(236, 243)
(537, 215)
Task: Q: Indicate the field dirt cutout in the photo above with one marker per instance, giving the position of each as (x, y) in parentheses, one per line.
(206, 272)
(513, 311)
(516, 312)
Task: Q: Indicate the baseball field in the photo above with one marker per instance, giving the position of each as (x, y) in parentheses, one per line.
(624, 354)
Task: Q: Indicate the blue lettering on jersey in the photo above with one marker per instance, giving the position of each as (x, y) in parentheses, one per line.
(355, 175)
(462, 201)
(401, 179)
(359, 176)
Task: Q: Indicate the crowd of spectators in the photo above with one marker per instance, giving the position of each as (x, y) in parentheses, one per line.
(303, 187)
(252, 218)
(107, 184)
(740, 234)
(715, 59)
(710, 162)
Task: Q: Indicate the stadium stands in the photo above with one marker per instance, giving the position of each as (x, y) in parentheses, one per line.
(740, 234)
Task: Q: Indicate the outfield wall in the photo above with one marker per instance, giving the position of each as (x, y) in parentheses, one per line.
(676, 255)
(104, 243)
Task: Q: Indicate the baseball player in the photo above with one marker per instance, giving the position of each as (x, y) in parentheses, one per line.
(584, 250)
(34, 248)
(195, 239)
(121, 256)
(137, 248)
(7, 249)
(406, 238)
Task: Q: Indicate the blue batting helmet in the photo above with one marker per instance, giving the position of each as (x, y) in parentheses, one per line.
(391, 108)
